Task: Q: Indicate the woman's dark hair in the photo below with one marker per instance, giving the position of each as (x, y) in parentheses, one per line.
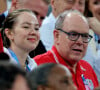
(87, 12)
(10, 22)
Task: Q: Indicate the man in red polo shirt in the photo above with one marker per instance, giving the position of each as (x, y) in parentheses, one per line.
(71, 37)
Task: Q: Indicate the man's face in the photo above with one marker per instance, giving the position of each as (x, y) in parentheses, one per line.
(60, 6)
(60, 79)
(38, 6)
(68, 49)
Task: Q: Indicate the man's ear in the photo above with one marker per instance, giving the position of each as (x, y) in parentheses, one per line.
(56, 34)
(52, 4)
(9, 34)
(13, 5)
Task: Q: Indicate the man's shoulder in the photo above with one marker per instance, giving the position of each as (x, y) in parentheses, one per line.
(44, 58)
(86, 65)
(83, 62)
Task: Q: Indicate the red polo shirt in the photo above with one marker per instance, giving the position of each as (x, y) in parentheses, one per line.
(85, 77)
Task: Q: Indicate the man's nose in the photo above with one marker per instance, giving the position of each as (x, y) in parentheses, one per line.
(80, 40)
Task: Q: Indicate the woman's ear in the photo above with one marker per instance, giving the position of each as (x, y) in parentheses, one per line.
(9, 34)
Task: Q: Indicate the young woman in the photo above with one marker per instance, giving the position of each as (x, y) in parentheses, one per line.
(20, 36)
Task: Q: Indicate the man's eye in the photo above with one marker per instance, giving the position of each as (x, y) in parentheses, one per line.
(97, 2)
(73, 34)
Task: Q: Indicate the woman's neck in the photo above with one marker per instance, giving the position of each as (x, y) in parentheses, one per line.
(21, 55)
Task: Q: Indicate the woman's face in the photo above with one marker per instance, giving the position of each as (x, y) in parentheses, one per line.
(94, 7)
(25, 34)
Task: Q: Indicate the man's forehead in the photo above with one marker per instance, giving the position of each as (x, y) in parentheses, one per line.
(36, 6)
(75, 21)
(34, 3)
(74, 16)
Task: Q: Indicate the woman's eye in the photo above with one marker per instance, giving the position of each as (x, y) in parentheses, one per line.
(36, 29)
(26, 27)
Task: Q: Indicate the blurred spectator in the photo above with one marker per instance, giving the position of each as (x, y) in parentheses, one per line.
(92, 12)
(1, 44)
(51, 76)
(20, 36)
(4, 57)
(70, 45)
(49, 10)
(9, 4)
(39, 7)
(3, 6)
(12, 77)
(98, 88)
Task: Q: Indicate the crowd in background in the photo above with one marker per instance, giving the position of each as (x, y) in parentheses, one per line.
(49, 44)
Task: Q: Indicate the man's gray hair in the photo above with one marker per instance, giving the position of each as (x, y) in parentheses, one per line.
(60, 19)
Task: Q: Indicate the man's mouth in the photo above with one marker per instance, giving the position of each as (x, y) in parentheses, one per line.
(77, 50)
